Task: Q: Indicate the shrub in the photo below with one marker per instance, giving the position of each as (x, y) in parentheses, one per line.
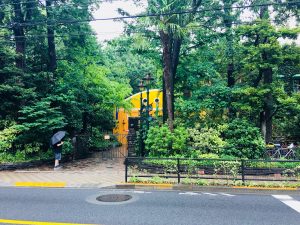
(7, 138)
(161, 142)
(243, 139)
(205, 140)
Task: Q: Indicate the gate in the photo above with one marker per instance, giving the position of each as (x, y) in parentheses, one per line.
(115, 151)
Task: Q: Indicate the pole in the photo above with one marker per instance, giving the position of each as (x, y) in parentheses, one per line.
(147, 107)
(243, 171)
(178, 170)
(141, 125)
(126, 169)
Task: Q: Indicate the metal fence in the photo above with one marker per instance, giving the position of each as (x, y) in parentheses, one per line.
(177, 169)
(114, 152)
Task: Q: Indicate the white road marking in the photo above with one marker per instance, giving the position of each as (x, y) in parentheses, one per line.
(227, 194)
(289, 201)
(142, 192)
(189, 193)
(206, 193)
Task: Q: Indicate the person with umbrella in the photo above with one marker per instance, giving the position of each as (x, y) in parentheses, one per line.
(56, 142)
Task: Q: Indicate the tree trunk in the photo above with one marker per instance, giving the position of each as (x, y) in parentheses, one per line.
(267, 114)
(18, 30)
(165, 111)
(175, 60)
(228, 19)
(230, 84)
(52, 64)
(168, 76)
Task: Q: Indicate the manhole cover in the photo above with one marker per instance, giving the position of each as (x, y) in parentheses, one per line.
(113, 198)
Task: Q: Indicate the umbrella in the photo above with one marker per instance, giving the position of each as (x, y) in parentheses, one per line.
(57, 137)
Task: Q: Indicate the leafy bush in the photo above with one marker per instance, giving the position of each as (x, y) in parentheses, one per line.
(161, 142)
(228, 168)
(97, 142)
(135, 179)
(243, 139)
(67, 147)
(205, 140)
(38, 121)
(287, 164)
(7, 138)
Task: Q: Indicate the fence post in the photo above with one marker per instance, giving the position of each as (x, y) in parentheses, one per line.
(126, 169)
(243, 171)
(178, 170)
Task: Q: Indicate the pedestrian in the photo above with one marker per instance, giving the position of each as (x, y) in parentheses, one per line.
(57, 148)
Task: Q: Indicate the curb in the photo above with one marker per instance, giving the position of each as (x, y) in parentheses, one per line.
(232, 189)
(49, 184)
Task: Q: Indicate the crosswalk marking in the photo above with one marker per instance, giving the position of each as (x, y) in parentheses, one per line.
(289, 201)
(227, 194)
(189, 193)
(142, 192)
(206, 193)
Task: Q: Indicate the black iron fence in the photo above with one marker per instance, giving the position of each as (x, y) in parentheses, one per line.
(174, 170)
(114, 152)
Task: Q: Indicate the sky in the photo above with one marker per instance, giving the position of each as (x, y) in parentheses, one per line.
(110, 29)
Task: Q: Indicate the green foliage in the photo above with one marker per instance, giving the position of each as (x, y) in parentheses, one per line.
(205, 140)
(159, 141)
(67, 147)
(243, 140)
(229, 168)
(38, 121)
(91, 80)
(157, 180)
(7, 138)
(162, 142)
(135, 179)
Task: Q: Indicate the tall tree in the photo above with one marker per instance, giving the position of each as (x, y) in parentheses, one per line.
(171, 32)
(52, 64)
(18, 30)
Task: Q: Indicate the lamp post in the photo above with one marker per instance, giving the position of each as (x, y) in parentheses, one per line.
(148, 80)
(141, 87)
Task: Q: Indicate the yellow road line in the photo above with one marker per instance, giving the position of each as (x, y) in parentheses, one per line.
(40, 184)
(24, 222)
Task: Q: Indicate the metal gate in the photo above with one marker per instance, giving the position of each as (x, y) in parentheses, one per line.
(114, 151)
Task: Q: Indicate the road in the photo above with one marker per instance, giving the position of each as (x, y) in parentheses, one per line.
(79, 206)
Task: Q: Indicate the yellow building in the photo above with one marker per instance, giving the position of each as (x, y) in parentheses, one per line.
(131, 118)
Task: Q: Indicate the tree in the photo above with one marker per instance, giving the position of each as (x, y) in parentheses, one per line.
(264, 55)
(171, 32)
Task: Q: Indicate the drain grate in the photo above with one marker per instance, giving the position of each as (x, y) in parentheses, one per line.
(114, 198)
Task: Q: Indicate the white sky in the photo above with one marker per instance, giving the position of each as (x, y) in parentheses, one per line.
(109, 29)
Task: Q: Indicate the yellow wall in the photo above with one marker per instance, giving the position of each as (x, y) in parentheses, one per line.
(121, 129)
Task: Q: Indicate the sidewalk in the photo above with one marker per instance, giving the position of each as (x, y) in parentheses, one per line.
(91, 172)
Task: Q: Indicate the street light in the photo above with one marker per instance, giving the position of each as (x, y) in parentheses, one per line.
(148, 80)
(144, 114)
(141, 87)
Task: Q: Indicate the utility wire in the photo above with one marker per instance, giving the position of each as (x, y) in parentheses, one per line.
(68, 3)
(62, 22)
(55, 35)
(55, 6)
(194, 28)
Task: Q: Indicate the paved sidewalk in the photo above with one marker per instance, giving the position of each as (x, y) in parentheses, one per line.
(91, 172)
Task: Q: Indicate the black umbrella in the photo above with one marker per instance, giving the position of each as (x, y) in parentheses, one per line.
(57, 137)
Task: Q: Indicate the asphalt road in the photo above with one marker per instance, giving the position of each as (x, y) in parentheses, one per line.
(145, 207)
